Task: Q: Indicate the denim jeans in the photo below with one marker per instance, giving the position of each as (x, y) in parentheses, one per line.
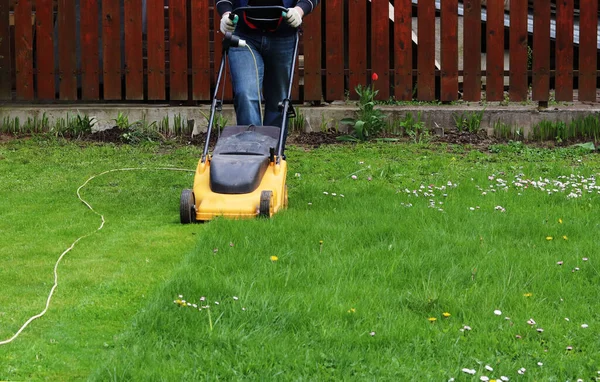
(274, 55)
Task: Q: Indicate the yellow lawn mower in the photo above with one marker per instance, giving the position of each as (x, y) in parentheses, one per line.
(245, 176)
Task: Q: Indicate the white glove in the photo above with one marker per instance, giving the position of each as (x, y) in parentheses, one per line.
(226, 24)
(294, 16)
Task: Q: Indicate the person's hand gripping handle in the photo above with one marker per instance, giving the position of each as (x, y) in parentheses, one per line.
(293, 16)
(228, 22)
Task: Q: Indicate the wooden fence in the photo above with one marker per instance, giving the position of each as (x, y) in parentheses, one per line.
(86, 51)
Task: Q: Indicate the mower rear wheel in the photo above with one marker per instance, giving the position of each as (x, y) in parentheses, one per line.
(266, 204)
(187, 207)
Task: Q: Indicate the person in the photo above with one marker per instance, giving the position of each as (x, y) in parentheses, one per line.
(271, 35)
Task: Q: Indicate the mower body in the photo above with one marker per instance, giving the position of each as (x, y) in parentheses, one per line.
(241, 179)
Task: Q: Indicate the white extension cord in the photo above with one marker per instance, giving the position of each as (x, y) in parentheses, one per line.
(82, 237)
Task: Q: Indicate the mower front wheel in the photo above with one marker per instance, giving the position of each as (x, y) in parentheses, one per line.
(187, 207)
(266, 204)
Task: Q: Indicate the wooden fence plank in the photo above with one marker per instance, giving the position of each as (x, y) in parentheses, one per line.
(134, 64)
(67, 52)
(5, 64)
(178, 50)
(357, 46)
(45, 49)
(155, 14)
(334, 60)
(564, 50)
(518, 52)
(472, 48)
(200, 51)
(403, 57)
(24, 50)
(111, 48)
(90, 54)
(380, 46)
(449, 50)
(588, 40)
(426, 50)
(494, 82)
(541, 50)
(313, 89)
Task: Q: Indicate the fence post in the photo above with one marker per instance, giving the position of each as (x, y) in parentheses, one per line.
(5, 67)
(44, 17)
(24, 50)
(472, 48)
(134, 65)
(541, 52)
(449, 50)
(494, 82)
(426, 50)
(588, 49)
(403, 76)
(564, 50)
(357, 45)
(380, 46)
(90, 50)
(518, 51)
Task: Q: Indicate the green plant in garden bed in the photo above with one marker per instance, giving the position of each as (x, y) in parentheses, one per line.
(369, 121)
(392, 262)
(468, 121)
(587, 127)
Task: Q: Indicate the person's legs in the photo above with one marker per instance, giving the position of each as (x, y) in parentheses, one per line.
(278, 56)
(244, 81)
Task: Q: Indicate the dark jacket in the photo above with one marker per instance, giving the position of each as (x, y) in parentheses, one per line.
(247, 22)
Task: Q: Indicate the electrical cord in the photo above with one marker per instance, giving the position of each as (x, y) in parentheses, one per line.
(102, 221)
(257, 83)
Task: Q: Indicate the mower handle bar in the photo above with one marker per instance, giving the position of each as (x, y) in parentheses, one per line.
(258, 7)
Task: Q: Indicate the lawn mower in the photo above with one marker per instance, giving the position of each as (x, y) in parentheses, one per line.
(245, 176)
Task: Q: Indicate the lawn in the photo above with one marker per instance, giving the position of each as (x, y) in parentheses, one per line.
(394, 261)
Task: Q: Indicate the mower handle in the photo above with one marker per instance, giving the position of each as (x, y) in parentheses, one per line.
(233, 14)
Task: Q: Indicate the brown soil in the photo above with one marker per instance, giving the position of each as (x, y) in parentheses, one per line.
(476, 141)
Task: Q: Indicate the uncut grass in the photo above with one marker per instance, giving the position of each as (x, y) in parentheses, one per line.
(113, 315)
(358, 305)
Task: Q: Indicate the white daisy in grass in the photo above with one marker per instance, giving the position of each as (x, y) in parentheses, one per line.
(531, 321)
(484, 378)
(540, 330)
(489, 368)
(235, 298)
(498, 312)
(469, 371)
(505, 379)
(540, 364)
(584, 325)
(521, 371)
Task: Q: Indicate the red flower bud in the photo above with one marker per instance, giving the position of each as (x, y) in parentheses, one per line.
(374, 77)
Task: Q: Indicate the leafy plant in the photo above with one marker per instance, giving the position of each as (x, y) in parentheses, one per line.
(81, 126)
(415, 129)
(470, 122)
(298, 123)
(369, 121)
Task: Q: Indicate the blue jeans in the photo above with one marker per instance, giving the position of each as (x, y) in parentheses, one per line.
(274, 55)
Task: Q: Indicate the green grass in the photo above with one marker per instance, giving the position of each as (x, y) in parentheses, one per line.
(355, 281)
